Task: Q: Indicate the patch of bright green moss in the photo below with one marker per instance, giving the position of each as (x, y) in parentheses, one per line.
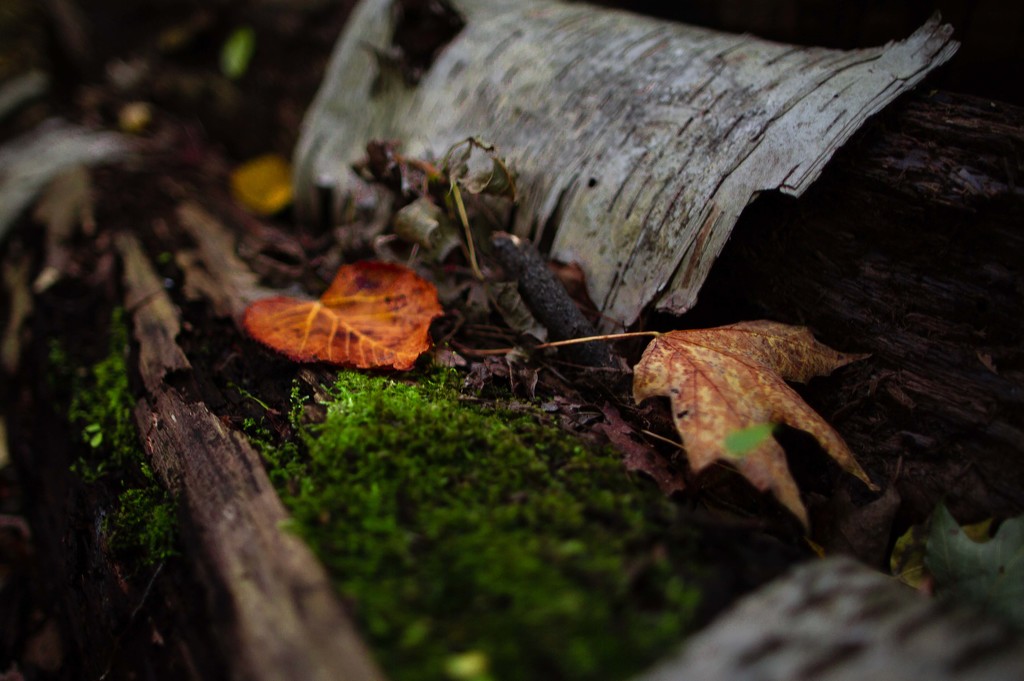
(477, 544)
(143, 523)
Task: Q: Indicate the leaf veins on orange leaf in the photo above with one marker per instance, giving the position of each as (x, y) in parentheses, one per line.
(374, 315)
(730, 378)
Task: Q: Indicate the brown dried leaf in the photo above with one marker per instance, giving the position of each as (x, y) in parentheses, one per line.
(408, 177)
(730, 378)
(637, 455)
(484, 173)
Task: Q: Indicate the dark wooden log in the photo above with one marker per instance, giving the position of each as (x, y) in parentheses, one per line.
(116, 619)
(910, 247)
(273, 604)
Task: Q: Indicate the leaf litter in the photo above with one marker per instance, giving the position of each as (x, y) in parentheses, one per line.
(727, 386)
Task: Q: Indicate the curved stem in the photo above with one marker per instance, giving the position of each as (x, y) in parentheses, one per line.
(606, 337)
(469, 235)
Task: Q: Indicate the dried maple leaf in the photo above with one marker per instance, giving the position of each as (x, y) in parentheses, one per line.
(731, 378)
(374, 315)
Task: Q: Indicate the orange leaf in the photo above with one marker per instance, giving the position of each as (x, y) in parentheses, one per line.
(731, 378)
(374, 315)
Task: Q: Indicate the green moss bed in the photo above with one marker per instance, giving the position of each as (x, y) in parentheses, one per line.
(475, 543)
(141, 527)
(472, 543)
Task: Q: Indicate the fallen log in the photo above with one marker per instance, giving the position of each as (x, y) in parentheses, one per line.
(910, 248)
(637, 143)
(835, 619)
(274, 605)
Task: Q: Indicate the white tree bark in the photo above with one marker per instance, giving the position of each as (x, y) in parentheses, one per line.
(836, 620)
(639, 142)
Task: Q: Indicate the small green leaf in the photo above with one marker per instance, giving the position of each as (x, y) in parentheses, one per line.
(237, 52)
(989, 575)
(93, 434)
(468, 666)
(741, 442)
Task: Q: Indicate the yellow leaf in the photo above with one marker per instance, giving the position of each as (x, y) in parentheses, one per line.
(978, 532)
(264, 184)
(134, 117)
(907, 560)
(731, 378)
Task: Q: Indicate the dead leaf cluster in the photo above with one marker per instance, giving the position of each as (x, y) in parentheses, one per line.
(727, 386)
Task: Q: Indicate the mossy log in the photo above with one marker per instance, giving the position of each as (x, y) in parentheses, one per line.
(246, 599)
(945, 133)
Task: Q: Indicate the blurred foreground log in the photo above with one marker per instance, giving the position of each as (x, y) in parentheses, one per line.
(835, 620)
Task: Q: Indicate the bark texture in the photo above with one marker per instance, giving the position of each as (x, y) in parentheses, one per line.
(910, 247)
(273, 603)
(834, 620)
(638, 143)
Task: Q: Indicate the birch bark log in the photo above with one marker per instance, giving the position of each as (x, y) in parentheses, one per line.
(638, 142)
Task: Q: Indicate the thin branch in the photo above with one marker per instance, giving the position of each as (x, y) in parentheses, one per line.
(554, 344)
(662, 438)
(606, 337)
